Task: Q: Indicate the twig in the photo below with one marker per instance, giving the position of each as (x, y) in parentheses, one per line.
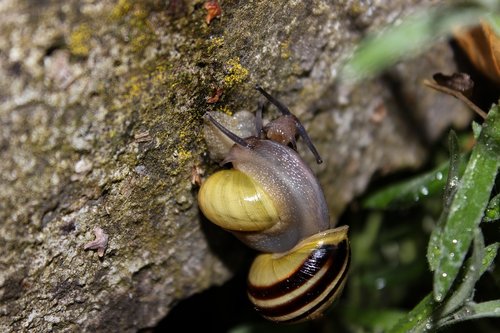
(456, 94)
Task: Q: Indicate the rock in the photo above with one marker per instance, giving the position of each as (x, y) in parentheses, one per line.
(80, 84)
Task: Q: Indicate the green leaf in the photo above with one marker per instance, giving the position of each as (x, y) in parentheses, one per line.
(494, 21)
(493, 210)
(468, 204)
(472, 273)
(473, 310)
(476, 129)
(419, 319)
(485, 309)
(454, 171)
(410, 38)
(409, 192)
(434, 246)
(490, 252)
(423, 316)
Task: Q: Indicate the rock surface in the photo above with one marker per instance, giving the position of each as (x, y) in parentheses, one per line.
(101, 108)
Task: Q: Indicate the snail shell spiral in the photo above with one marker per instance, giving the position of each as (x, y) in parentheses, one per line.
(241, 205)
(302, 283)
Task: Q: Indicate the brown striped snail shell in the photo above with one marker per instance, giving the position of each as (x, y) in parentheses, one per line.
(272, 202)
(304, 281)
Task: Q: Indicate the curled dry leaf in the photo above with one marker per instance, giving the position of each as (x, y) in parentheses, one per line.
(213, 10)
(482, 46)
(457, 94)
(100, 243)
(457, 81)
(215, 97)
(196, 174)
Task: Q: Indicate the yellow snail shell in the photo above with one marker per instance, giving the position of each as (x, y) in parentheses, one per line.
(241, 205)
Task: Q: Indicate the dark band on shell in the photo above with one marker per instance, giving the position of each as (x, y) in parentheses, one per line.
(325, 269)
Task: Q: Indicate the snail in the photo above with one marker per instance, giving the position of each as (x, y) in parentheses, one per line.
(273, 203)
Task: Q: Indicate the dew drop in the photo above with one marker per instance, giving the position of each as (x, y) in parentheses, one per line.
(444, 275)
(439, 175)
(380, 283)
(438, 297)
(454, 241)
(424, 191)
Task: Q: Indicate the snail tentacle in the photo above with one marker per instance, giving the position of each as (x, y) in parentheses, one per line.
(298, 125)
(227, 132)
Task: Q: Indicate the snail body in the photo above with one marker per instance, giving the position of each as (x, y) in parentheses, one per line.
(273, 203)
(281, 181)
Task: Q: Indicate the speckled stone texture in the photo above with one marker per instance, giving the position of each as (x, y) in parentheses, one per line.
(101, 106)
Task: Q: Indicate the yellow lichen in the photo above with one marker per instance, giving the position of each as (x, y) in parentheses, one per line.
(285, 50)
(184, 155)
(237, 73)
(79, 40)
(215, 42)
(159, 76)
(139, 32)
(225, 109)
(135, 86)
(121, 9)
(140, 41)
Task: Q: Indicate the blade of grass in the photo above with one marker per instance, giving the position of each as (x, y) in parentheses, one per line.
(493, 209)
(433, 248)
(418, 319)
(472, 273)
(411, 191)
(485, 309)
(422, 317)
(473, 311)
(468, 204)
(413, 36)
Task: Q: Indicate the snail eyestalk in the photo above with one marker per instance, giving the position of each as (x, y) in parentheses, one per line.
(300, 129)
(258, 120)
(227, 132)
